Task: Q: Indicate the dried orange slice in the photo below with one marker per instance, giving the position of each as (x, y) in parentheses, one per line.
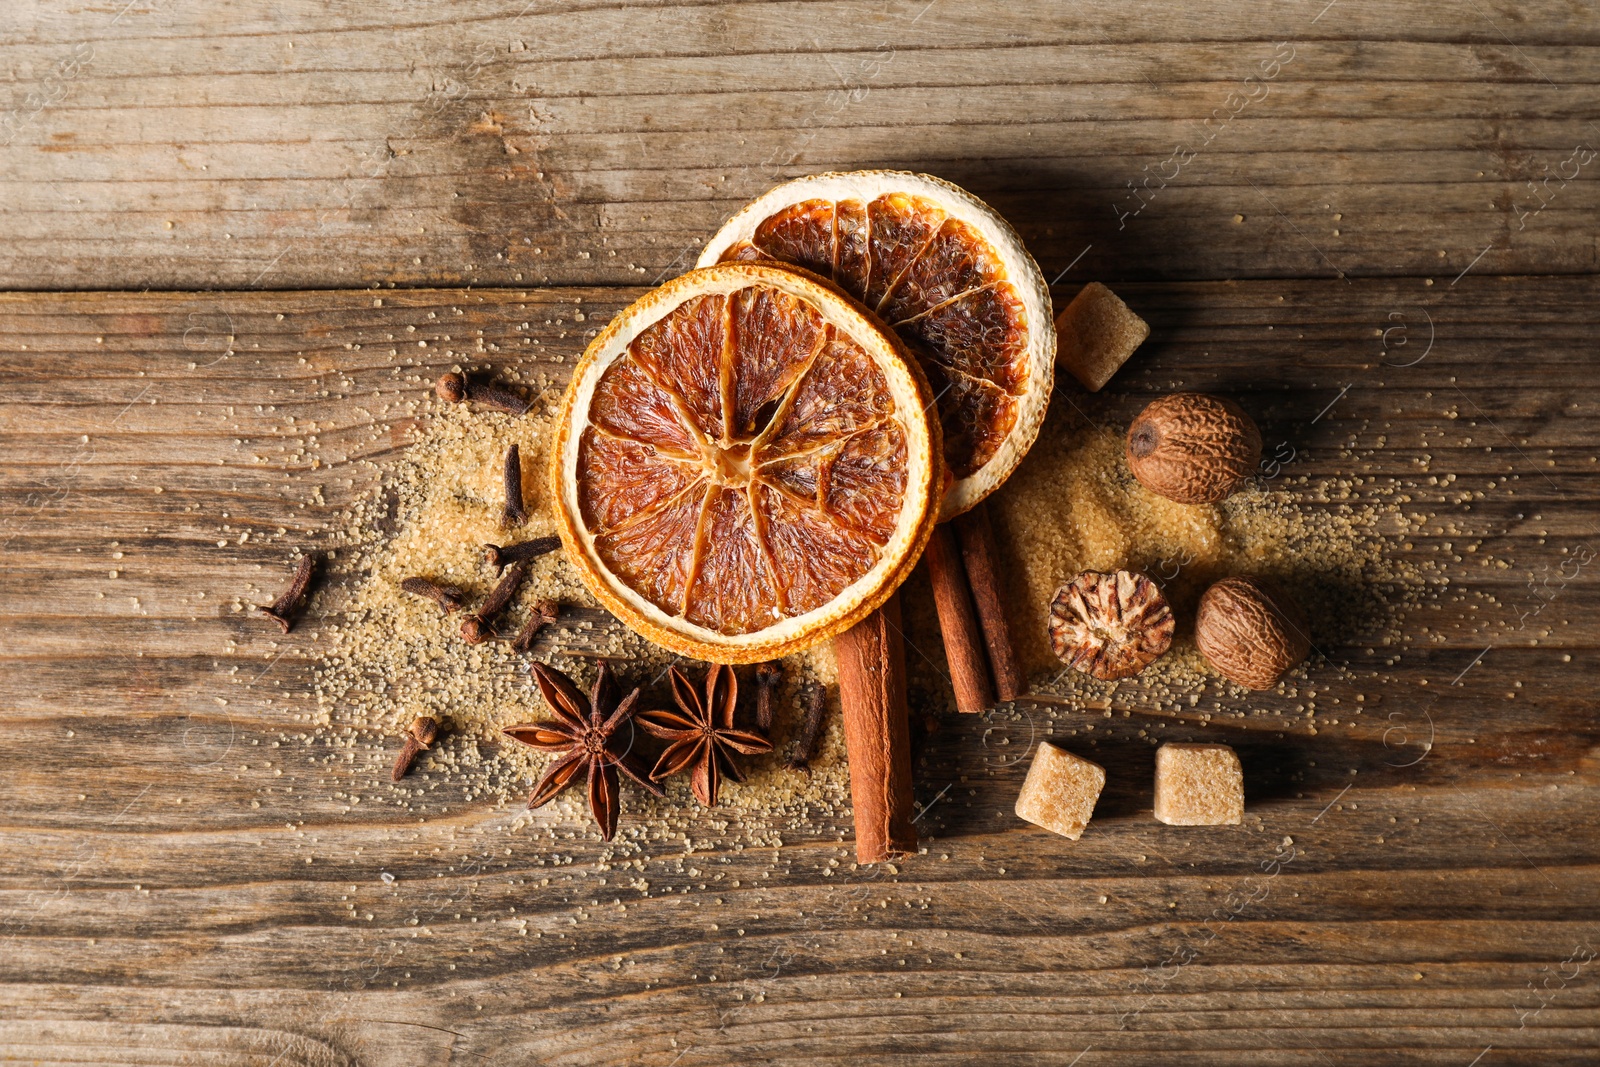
(745, 463)
(949, 275)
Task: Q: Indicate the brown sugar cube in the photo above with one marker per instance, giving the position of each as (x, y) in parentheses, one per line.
(1199, 785)
(1060, 791)
(1095, 335)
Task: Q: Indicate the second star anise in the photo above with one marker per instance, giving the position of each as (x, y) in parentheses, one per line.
(702, 735)
(585, 732)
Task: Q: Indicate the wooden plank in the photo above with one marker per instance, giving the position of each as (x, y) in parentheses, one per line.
(301, 145)
(194, 867)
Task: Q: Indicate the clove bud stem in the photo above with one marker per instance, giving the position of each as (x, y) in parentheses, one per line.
(284, 609)
(544, 613)
(768, 675)
(457, 388)
(497, 556)
(421, 734)
(448, 597)
(805, 748)
(479, 626)
(515, 514)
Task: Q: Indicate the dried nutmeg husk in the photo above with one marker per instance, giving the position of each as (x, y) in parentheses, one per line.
(1110, 626)
(1250, 631)
(1193, 448)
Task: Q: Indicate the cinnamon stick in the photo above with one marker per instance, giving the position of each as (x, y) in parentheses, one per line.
(976, 536)
(964, 646)
(872, 694)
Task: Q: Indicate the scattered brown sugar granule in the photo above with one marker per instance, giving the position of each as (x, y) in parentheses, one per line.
(1199, 785)
(1095, 335)
(1060, 791)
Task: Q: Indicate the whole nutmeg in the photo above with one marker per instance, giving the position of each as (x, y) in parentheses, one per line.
(1193, 448)
(1250, 631)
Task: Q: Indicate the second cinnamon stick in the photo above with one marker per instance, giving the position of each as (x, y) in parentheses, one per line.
(976, 536)
(872, 695)
(964, 647)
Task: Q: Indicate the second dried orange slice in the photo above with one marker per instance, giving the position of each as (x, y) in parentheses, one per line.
(952, 279)
(745, 463)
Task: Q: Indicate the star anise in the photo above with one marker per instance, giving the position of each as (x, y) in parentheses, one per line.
(702, 733)
(584, 731)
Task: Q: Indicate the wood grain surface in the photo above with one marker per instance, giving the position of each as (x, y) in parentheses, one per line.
(1357, 255)
(278, 144)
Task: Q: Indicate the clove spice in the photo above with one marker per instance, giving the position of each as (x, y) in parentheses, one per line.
(479, 626)
(768, 675)
(498, 556)
(515, 514)
(457, 388)
(420, 736)
(285, 608)
(545, 612)
(805, 747)
(448, 597)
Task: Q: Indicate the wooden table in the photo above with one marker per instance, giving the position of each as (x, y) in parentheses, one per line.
(198, 199)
